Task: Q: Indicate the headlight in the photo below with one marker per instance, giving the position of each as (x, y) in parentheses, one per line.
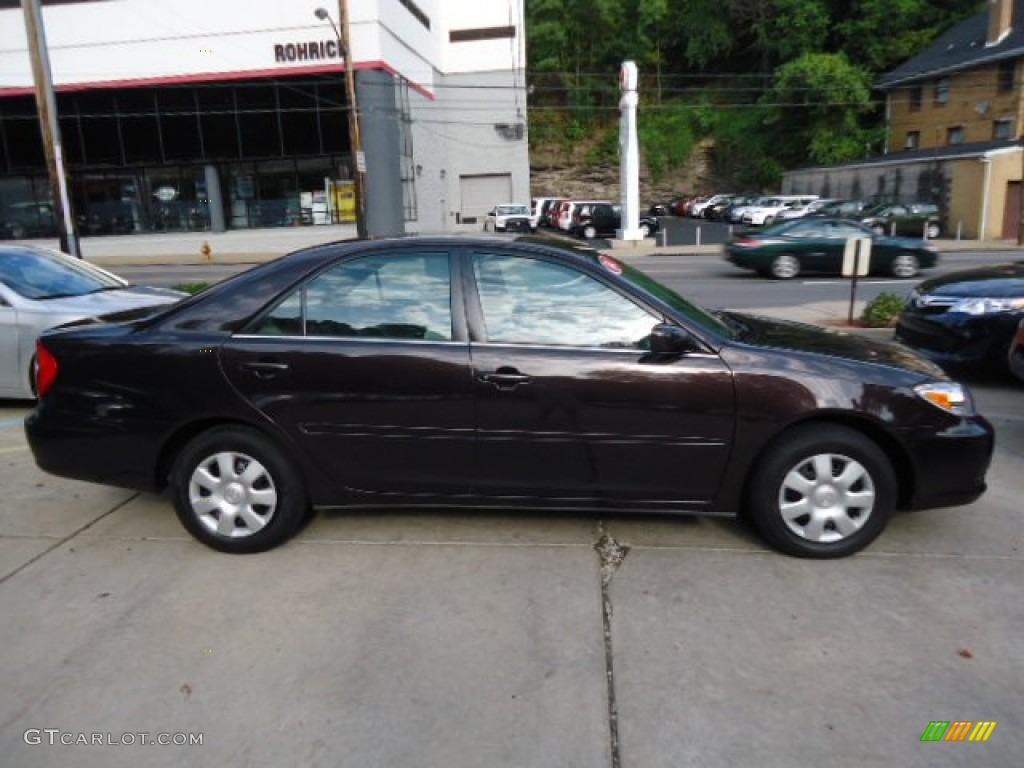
(947, 395)
(987, 306)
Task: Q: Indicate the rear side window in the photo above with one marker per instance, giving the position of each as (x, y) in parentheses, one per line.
(392, 296)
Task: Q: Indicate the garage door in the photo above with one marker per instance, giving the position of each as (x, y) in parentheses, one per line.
(481, 193)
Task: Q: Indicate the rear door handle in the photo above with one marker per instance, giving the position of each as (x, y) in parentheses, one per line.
(505, 378)
(264, 369)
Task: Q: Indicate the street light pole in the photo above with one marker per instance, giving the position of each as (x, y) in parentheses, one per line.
(355, 140)
(46, 105)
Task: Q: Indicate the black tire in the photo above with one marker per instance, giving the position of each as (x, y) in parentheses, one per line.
(905, 265)
(262, 507)
(645, 229)
(785, 266)
(844, 514)
(589, 232)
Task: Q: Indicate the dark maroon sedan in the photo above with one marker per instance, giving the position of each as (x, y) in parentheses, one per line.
(496, 373)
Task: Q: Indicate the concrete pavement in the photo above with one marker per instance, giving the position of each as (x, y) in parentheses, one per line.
(458, 639)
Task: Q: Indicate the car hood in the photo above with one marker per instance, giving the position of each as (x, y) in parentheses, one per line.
(784, 334)
(106, 302)
(997, 282)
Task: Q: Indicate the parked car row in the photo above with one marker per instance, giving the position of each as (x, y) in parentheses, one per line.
(587, 219)
(913, 219)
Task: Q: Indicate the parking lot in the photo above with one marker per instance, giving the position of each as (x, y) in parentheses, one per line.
(445, 639)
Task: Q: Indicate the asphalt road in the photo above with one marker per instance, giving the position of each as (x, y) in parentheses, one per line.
(705, 279)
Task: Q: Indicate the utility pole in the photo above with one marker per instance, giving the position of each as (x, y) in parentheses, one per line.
(354, 137)
(46, 105)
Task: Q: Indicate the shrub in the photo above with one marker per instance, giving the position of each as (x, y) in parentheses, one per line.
(191, 287)
(883, 310)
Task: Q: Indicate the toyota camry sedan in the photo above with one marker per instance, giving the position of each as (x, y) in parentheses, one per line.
(815, 245)
(492, 373)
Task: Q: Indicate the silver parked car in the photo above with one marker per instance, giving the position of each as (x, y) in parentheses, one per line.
(41, 288)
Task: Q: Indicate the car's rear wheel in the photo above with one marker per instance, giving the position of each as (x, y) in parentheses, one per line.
(589, 232)
(236, 491)
(878, 229)
(821, 492)
(933, 231)
(785, 266)
(905, 265)
(645, 229)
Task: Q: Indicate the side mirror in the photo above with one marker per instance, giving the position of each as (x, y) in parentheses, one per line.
(670, 340)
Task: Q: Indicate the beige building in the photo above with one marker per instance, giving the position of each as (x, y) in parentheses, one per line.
(953, 115)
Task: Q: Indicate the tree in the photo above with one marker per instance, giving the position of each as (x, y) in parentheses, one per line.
(815, 105)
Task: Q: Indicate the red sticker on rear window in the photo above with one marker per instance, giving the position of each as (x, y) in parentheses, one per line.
(610, 264)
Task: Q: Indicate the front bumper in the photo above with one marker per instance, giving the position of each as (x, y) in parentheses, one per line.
(954, 338)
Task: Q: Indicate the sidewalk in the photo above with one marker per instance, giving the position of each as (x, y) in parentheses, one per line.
(255, 245)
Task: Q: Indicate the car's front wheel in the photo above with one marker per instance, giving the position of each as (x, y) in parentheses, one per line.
(236, 491)
(905, 265)
(821, 492)
(785, 266)
(645, 229)
(933, 231)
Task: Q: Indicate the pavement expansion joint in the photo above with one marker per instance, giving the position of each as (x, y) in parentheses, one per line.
(610, 553)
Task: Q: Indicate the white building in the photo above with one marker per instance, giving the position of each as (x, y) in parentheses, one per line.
(216, 114)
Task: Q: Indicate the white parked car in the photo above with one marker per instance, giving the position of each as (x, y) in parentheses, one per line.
(799, 211)
(765, 213)
(509, 217)
(697, 209)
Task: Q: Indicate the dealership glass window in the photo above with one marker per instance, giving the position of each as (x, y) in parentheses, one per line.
(529, 301)
(955, 134)
(1002, 129)
(913, 140)
(942, 91)
(407, 163)
(1007, 75)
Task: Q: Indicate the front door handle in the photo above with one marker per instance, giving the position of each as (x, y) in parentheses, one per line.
(264, 369)
(505, 378)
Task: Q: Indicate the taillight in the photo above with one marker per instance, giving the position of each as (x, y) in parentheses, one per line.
(46, 369)
(744, 242)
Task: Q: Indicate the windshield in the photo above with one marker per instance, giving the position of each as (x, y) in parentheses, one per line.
(35, 273)
(691, 312)
(513, 210)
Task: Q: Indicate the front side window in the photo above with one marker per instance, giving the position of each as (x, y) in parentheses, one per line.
(390, 296)
(529, 301)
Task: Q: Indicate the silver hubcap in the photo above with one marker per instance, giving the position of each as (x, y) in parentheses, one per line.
(826, 498)
(905, 266)
(232, 494)
(786, 266)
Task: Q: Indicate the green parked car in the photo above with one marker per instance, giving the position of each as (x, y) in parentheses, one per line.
(816, 245)
(909, 220)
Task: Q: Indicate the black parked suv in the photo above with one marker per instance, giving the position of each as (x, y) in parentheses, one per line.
(603, 219)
